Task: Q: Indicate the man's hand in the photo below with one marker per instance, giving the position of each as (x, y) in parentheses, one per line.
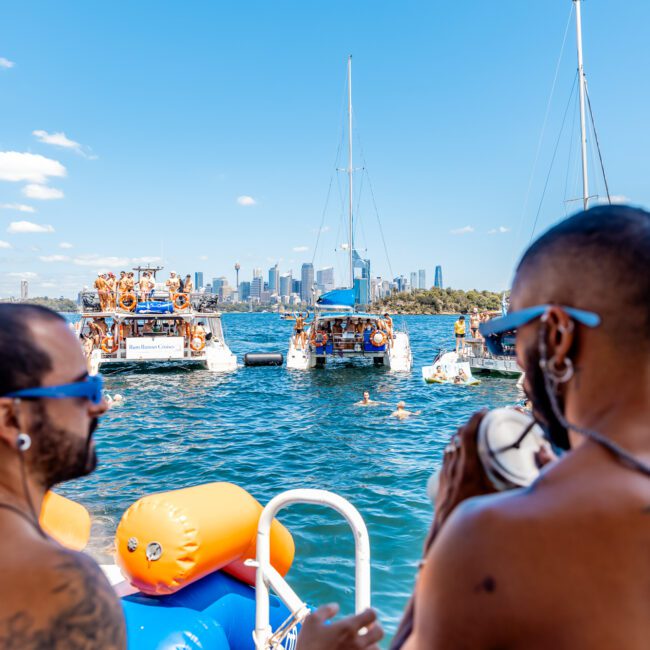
(343, 635)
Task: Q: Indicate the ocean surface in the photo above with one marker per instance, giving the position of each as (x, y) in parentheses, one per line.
(270, 429)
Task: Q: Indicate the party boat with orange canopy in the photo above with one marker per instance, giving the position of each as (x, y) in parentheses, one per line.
(195, 567)
(152, 324)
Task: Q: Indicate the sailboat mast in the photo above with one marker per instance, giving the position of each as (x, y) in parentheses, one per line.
(350, 237)
(583, 121)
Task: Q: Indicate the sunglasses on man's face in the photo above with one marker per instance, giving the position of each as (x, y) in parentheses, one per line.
(90, 388)
(500, 334)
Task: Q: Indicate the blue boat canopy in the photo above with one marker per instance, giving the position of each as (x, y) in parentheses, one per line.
(338, 297)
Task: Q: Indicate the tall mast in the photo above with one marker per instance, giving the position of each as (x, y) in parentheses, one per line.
(350, 237)
(583, 124)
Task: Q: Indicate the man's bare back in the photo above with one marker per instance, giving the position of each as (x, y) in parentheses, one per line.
(537, 549)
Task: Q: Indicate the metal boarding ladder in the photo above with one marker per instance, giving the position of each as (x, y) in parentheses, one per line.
(267, 577)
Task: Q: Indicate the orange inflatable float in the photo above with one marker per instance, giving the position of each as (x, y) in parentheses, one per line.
(169, 540)
(66, 521)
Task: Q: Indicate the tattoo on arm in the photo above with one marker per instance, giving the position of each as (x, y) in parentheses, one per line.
(87, 615)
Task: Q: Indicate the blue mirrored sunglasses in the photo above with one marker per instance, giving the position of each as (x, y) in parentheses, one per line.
(90, 388)
(500, 333)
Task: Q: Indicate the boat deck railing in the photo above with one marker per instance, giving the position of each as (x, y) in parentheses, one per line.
(93, 301)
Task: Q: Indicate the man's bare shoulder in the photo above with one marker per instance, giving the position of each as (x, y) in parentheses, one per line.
(61, 600)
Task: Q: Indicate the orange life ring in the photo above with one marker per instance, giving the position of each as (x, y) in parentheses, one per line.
(197, 342)
(378, 338)
(133, 301)
(184, 305)
(113, 347)
(323, 339)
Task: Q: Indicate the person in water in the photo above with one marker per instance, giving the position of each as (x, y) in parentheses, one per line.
(461, 377)
(459, 331)
(563, 564)
(366, 401)
(51, 597)
(54, 598)
(401, 413)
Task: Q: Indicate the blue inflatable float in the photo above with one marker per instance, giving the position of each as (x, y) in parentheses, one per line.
(214, 613)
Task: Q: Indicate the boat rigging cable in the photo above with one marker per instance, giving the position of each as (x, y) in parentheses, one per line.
(600, 156)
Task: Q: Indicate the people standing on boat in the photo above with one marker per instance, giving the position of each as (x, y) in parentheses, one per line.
(102, 291)
(188, 287)
(474, 322)
(122, 284)
(299, 328)
(459, 331)
(52, 597)
(173, 284)
(144, 286)
(574, 293)
(111, 285)
(130, 282)
(388, 324)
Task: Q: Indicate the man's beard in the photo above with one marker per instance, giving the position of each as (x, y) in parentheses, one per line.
(59, 455)
(537, 393)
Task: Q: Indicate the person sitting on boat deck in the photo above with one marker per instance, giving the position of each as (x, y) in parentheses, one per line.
(299, 329)
(147, 328)
(439, 374)
(564, 563)
(98, 329)
(389, 327)
(474, 322)
(102, 291)
(173, 284)
(366, 401)
(459, 331)
(461, 377)
(198, 330)
(52, 597)
(401, 413)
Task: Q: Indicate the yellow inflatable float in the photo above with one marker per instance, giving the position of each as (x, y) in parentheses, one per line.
(169, 540)
(66, 521)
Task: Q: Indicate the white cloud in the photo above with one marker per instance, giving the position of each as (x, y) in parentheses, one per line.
(54, 258)
(100, 262)
(28, 226)
(26, 275)
(462, 231)
(246, 201)
(498, 231)
(615, 199)
(21, 207)
(203, 258)
(4, 244)
(322, 230)
(34, 168)
(48, 285)
(61, 140)
(300, 249)
(42, 192)
(146, 260)
(65, 244)
(6, 63)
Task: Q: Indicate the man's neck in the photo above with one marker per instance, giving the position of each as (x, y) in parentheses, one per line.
(23, 493)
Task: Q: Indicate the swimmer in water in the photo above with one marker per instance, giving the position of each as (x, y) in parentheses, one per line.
(366, 401)
(116, 400)
(401, 413)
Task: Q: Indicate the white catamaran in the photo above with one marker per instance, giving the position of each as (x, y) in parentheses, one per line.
(338, 331)
(176, 327)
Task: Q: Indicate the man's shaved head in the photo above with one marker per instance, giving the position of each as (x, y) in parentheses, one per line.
(597, 260)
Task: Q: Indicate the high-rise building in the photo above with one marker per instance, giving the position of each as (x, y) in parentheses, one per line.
(307, 283)
(256, 288)
(361, 291)
(24, 290)
(296, 286)
(325, 279)
(244, 291)
(422, 279)
(401, 283)
(414, 280)
(217, 283)
(274, 279)
(285, 285)
(257, 273)
(361, 271)
(437, 282)
(198, 280)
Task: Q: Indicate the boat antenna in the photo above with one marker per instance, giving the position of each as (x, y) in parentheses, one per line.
(583, 124)
(350, 237)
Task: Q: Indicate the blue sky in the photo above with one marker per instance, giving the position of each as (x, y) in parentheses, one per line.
(172, 112)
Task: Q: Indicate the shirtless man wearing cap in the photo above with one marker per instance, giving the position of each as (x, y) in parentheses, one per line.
(564, 563)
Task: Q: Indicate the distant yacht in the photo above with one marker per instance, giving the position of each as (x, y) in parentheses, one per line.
(338, 331)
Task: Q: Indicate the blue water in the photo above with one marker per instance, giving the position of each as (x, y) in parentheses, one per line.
(270, 429)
